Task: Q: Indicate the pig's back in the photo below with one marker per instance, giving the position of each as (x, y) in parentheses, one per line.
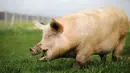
(103, 21)
(96, 22)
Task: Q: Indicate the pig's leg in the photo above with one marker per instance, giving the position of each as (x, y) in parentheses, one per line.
(118, 49)
(83, 55)
(81, 59)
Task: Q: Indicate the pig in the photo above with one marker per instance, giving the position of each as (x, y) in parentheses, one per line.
(83, 34)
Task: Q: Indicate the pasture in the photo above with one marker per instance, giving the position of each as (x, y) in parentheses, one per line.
(15, 56)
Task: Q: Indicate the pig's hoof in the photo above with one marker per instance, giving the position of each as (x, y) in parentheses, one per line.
(76, 65)
(43, 59)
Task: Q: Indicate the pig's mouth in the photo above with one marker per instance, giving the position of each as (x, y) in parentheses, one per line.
(37, 50)
(43, 56)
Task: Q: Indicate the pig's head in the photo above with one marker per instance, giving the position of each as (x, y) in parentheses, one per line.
(54, 43)
(36, 49)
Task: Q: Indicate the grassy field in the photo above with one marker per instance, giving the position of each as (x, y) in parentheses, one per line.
(16, 58)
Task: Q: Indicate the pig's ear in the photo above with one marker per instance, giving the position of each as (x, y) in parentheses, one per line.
(38, 24)
(56, 26)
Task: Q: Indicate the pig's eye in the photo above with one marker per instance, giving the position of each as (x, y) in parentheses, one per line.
(47, 37)
(40, 44)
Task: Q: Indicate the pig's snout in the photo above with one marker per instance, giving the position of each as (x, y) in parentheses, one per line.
(33, 51)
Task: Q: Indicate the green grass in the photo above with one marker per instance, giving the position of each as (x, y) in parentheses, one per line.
(8, 25)
(16, 58)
